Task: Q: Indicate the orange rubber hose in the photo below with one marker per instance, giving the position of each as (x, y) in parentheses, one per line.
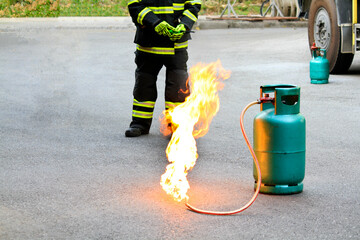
(257, 169)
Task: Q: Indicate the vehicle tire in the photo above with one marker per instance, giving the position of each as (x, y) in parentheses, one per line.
(325, 32)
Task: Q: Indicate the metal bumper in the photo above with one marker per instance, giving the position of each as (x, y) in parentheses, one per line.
(357, 37)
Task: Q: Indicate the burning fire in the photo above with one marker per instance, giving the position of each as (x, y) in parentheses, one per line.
(191, 120)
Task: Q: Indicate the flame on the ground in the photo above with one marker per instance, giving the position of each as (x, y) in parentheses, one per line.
(190, 120)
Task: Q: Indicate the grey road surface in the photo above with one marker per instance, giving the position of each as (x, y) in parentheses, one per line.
(68, 172)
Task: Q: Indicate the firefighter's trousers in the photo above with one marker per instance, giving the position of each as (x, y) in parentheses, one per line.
(145, 90)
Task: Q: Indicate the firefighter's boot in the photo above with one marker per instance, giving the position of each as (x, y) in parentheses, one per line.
(135, 132)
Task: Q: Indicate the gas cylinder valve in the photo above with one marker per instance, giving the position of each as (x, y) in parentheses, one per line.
(266, 99)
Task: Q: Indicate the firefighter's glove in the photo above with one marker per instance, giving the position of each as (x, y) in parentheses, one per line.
(164, 28)
(180, 28)
(178, 32)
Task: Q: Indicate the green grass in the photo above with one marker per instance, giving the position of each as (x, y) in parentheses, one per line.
(56, 8)
(93, 8)
(29, 8)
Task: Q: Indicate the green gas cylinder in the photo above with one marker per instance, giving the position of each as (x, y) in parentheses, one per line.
(279, 140)
(319, 66)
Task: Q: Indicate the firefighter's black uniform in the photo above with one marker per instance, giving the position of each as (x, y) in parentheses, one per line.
(153, 51)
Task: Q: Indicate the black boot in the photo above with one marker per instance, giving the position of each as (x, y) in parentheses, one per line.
(135, 132)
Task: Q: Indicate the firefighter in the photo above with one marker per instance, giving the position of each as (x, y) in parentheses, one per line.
(162, 34)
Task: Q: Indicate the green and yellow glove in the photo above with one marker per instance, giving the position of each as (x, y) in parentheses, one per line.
(180, 28)
(164, 28)
(178, 32)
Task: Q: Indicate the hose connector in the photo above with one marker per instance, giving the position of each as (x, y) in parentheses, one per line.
(266, 99)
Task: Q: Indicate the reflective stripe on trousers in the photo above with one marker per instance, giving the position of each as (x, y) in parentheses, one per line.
(143, 109)
(169, 105)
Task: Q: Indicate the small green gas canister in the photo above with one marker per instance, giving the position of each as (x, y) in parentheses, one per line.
(279, 140)
(319, 66)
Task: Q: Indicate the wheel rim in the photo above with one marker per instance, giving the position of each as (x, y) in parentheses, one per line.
(322, 28)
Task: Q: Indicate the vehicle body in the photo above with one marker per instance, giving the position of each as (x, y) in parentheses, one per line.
(334, 25)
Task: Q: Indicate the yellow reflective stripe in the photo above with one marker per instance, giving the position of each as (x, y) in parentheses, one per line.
(142, 15)
(181, 45)
(355, 19)
(178, 6)
(141, 114)
(172, 104)
(135, 1)
(162, 10)
(147, 104)
(156, 50)
(355, 13)
(190, 15)
(193, 2)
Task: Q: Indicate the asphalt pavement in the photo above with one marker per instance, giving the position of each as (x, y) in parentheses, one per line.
(67, 171)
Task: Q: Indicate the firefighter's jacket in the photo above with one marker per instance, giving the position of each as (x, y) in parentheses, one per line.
(146, 14)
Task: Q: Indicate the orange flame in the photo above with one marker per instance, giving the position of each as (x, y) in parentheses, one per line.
(191, 120)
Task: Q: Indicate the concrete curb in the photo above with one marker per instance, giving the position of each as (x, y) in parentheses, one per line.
(219, 24)
(21, 24)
